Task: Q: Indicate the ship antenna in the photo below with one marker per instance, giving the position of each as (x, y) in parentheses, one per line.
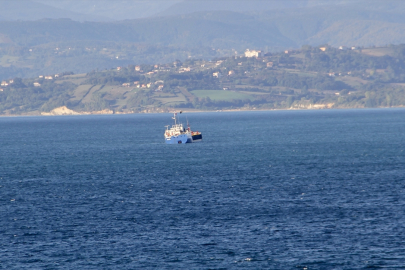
(174, 117)
(188, 126)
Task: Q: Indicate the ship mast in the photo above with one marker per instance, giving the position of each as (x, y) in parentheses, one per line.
(175, 119)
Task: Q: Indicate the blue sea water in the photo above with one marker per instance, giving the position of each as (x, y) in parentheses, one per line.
(264, 190)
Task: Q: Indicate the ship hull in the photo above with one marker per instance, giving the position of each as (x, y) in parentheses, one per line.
(197, 138)
(182, 138)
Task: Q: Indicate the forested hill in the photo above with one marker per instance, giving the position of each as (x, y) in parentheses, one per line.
(309, 78)
(30, 48)
(223, 29)
(107, 10)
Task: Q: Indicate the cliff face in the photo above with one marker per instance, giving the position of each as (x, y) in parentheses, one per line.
(61, 111)
(66, 111)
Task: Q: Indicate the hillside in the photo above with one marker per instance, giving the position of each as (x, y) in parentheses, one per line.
(309, 78)
(31, 48)
(28, 10)
(107, 10)
(336, 25)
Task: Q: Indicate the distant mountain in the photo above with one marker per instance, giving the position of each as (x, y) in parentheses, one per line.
(112, 10)
(27, 10)
(220, 30)
(269, 30)
(118, 10)
(108, 10)
(191, 6)
(339, 25)
(205, 34)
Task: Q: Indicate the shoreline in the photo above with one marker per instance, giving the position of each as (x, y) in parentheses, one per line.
(196, 111)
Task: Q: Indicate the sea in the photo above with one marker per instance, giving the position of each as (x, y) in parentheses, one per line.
(304, 190)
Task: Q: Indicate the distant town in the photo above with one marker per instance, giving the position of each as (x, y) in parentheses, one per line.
(310, 78)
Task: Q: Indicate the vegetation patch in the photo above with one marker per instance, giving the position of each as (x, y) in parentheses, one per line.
(81, 91)
(172, 100)
(8, 60)
(221, 95)
(318, 79)
(379, 51)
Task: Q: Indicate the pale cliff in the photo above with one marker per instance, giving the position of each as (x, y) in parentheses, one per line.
(66, 111)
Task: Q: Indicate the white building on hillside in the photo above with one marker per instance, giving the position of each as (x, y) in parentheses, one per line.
(253, 53)
(217, 74)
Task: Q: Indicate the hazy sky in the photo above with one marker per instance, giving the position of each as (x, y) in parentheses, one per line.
(105, 10)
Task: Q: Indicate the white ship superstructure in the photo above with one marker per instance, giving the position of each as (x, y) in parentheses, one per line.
(177, 133)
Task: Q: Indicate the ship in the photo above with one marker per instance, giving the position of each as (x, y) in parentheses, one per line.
(178, 134)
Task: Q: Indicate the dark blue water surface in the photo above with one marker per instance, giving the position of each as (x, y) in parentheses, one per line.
(264, 190)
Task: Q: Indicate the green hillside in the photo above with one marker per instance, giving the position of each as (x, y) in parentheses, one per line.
(309, 78)
(222, 95)
(32, 48)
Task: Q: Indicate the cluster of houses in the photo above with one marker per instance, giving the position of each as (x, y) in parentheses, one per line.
(139, 69)
(37, 84)
(159, 84)
(185, 69)
(334, 74)
(5, 84)
(253, 53)
(248, 53)
(258, 54)
(160, 68)
(342, 48)
(217, 75)
(137, 84)
(48, 77)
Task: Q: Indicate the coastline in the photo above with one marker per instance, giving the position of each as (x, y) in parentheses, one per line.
(109, 112)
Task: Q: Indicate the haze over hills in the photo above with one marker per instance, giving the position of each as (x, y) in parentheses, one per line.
(112, 10)
(175, 29)
(267, 30)
(107, 10)
(27, 10)
(42, 37)
(308, 78)
(237, 24)
(191, 6)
